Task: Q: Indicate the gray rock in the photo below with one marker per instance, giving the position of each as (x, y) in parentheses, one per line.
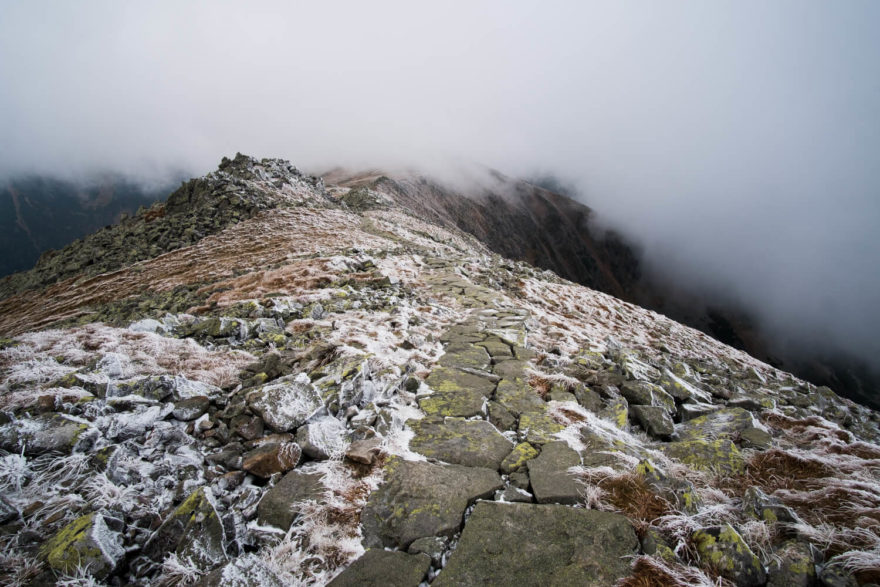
(755, 438)
(724, 423)
(86, 543)
(463, 355)
(654, 419)
(514, 495)
(588, 398)
(44, 433)
(285, 404)
(247, 427)
(642, 393)
(191, 408)
(420, 499)
(525, 544)
(501, 417)
(322, 439)
(280, 505)
(792, 565)
(510, 369)
(836, 576)
(549, 477)
(518, 397)
(433, 546)
(472, 443)
(193, 531)
(724, 550)
(519, 479)
(761, 506)
(384, 568)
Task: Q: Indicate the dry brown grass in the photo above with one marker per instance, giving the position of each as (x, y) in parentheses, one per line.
(540, 385)
(284, 235)
(631, 495)
(777, 469)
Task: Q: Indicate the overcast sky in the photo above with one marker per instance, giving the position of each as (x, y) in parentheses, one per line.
(738, 141)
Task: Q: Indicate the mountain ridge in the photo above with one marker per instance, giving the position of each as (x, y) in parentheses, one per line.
(331, 389)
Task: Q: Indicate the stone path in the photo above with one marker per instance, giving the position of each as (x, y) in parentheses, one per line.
(487, 433)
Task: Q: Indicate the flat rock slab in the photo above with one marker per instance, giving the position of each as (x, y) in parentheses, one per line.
(279, 506)
(465, 355)
(444, 379)
(421, 499)
(724, 423)
(473, 443)
(549, 477)
(384, 568)
(518, 397)
(526, 544)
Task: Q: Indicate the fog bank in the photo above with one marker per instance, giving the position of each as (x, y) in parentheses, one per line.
(738, 142)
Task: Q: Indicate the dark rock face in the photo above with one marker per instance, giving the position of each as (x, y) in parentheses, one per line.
(278, 507)
(525, 544)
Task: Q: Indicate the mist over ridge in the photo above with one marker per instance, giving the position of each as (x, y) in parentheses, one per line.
(738, 145)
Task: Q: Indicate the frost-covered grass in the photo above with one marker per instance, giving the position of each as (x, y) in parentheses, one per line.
(43, 357)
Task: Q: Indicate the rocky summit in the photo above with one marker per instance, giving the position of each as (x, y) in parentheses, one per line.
(268, 379)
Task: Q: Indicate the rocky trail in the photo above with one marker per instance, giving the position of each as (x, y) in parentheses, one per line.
(329, 390)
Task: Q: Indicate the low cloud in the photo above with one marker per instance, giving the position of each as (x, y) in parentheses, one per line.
(737, 142)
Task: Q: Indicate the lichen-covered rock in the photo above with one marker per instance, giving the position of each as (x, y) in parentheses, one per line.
(473, 443)
(285, 404)
(792, 565)
(86, 543)
(463, 355)
(538, 428)
(679, 492)
(526, 544)
(755, 438)
(549, 476)
(724, 423)
(281, 505)
(521, 454)
(273, 457)
(654, 419)
(723, 549)
(616, 410)
(444, 379)
(761, 506)
(191, 408)
(642, 393)
(420, 499)
(45, 433)
(192, 531)
(433, 546)
(384, 568)
(719, 455)
(518, 397)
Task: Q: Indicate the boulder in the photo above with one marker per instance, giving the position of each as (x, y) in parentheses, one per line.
(384, 568)
(724, 550)
(549, 477)
(191, 408)
(274, 457)
(792, 565)
(719, 456)
(724, 423)
(759, 505)
(282, 504)
(527, 544)
(322, 439)
(538, 428)
(193, 530)
(654, 419)
(463, 355)
(472, 443)
(421, 499)
(86, 543)
(642, 393)
(286, 404)
(521, 454)
(518, 397)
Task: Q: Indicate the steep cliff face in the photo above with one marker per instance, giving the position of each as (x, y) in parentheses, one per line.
(328, 384)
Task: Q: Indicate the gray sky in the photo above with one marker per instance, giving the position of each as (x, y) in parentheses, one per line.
(738, 141)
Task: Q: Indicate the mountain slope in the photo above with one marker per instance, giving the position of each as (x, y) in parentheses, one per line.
(327, 386)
